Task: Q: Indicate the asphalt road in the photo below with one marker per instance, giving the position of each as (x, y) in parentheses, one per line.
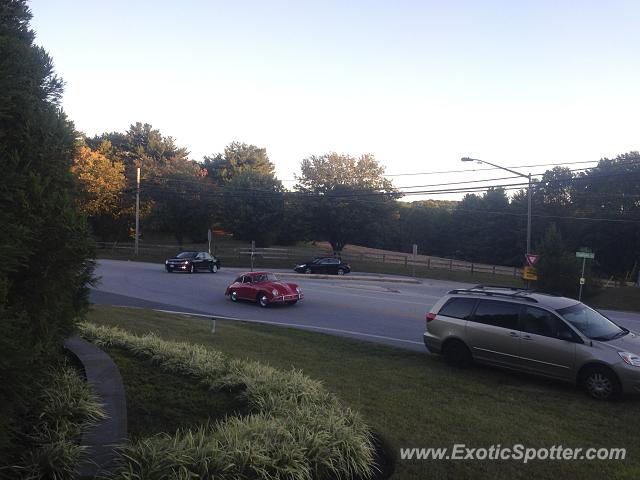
(385, 312)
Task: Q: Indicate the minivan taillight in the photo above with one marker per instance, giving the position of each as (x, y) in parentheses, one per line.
(430, 316)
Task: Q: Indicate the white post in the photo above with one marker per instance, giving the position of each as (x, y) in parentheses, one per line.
(415, 258)
(584, 260)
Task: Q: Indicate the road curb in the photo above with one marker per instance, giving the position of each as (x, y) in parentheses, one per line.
(102, 439)
(363, 278)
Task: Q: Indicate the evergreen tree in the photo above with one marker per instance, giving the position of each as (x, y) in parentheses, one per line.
(44, 243)
(557, 268)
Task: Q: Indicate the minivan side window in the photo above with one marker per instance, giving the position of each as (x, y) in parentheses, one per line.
(540, 322)
(498, 314)
(458, 308)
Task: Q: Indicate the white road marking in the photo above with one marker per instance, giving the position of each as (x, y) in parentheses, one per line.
(296, 325)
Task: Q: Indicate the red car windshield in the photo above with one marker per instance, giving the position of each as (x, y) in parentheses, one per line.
(265, 277)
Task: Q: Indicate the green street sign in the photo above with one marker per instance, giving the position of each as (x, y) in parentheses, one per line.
(590, 255)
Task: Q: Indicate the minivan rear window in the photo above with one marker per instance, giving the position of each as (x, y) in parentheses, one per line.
(498, 314)
(458, 308)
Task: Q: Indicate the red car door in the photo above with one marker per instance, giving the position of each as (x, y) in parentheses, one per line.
(247, 289)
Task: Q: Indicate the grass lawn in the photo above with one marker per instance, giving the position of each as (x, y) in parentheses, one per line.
(414, 400)
(620, 298)
(163, 402)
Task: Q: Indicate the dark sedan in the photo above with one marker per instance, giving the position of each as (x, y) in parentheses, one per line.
(192, 262)
(326, 265)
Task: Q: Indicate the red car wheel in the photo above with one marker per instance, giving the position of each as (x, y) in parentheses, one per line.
(263, 300)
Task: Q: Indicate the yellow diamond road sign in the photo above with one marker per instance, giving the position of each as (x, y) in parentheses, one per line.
(529, 273)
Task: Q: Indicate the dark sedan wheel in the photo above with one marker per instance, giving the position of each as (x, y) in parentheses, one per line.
(191, 268)
(169, 269)
(263, 300)
(234, 296)
(340, 271)
(601, 383)
(308, 270)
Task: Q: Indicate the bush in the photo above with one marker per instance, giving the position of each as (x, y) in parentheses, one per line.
(296, 429)
(44, 243)
(65, 408)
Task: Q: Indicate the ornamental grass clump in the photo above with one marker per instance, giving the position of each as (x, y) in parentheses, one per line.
(65, 408)
(296, 429)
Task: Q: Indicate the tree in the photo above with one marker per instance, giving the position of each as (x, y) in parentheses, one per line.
(45, 245)
(424, 223)
(182, 202)
(557, 267)
(611, 191)
(254, 206)
(174, 189)
(237, 157)
(483, 230)
(101, 182)
(347, 199)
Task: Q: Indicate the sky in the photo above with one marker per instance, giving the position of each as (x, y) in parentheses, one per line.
(418, 84)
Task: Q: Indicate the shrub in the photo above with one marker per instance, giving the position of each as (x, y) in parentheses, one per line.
(296, 429)
(65, 408)
(45, 245)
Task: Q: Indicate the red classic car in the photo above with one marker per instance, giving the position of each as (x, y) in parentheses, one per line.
(264, 288)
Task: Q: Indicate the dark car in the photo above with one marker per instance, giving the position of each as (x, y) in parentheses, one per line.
(192, 262)
(326, 265)
(264, 288)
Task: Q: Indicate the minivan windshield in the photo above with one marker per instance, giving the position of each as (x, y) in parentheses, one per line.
(591, 323)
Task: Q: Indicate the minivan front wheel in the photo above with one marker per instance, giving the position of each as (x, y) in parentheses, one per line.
(456, 353)
(601, 383)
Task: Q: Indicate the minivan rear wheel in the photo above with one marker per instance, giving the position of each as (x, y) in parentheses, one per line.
(456, 353)
(601, 383)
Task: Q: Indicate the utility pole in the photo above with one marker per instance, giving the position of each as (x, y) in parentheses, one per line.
(529, 219)
(137, 210)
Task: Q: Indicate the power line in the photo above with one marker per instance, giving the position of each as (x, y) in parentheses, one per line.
(468, 189)
(563, 217)
(203, 181)
(442, 172)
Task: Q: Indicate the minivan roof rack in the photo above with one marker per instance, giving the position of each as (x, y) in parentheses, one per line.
(520, 294)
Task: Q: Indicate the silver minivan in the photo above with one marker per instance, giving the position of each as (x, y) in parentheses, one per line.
(537, 333)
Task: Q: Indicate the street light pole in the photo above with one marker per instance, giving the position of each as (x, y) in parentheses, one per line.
(528, 177)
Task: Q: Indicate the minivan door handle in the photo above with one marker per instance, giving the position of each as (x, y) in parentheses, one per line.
(526, 337)
(513, 334)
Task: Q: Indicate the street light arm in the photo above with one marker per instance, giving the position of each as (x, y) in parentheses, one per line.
(528, 177)
(467, 159)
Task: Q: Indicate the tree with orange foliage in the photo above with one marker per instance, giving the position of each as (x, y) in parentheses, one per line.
(102, 182)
